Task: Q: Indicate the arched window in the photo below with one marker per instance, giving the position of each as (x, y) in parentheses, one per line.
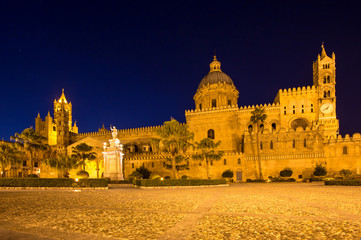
(299, 122)
(261, 128)
(303, 110)
(311, 107)
(250, 128)
(54, 128)
(152, 164)
(260, 145)
(239, 161)
(210, 133)
(328, 79)
(324, 94)
(324, 79)
(274, 126)
(271, 145)
(132, 165)
(211, 162)
(200, 106)
(329, 94)
(345, 151)
(225, 161)
(304, 142)
(214, 103)
(294, 143)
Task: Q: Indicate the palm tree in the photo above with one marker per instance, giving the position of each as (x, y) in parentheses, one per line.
(31, 143)
(8, 156)
(63, 163)
(175, 138)
(83, 152)
(207, 152)
(258, 117)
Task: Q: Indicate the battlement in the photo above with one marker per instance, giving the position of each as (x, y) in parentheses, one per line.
(267, 107)
(297, 91)
(121, 132)
(356, 137)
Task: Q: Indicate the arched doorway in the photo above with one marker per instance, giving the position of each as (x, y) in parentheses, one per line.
(299, 122)
(239, 175)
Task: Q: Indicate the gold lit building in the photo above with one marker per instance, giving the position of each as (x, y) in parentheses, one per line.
(301, 130)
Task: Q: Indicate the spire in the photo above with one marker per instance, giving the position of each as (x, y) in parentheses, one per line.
(75, 124)
(38, 115)
(48, 114)
(62, 97)
(323, 52)
(215, 66)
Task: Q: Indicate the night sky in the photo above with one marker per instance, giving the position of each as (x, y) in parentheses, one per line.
(135, 64)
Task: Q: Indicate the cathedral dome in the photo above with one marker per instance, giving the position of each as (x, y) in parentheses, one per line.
(216, 89)
(215, 77)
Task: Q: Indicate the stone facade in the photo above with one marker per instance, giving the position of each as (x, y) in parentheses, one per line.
(301, 130)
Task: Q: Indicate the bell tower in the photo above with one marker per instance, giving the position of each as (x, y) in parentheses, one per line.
(324, 79)
(63, 121)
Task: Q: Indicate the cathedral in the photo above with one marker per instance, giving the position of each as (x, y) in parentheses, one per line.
(300, 131)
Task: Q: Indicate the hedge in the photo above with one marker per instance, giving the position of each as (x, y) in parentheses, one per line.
(283, 180)
(53, 182)
(256, 180)
(343, 182)
(178, 182)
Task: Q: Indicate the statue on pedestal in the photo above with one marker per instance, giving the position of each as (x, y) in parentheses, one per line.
(113, 157)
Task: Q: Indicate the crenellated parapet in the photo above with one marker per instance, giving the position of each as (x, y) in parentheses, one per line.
(294, 92)
(356, 137)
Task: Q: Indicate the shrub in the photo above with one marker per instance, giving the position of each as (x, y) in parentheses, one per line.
(135, 175)
(227, 174)
(345, 173)
(166, 177)
(144, 171)
(287, 172)
(53, 182)
(283, 180)
(33, 176)
(82, 174)
(184, 177)
(178, 182)
(343, 182)
(320, 170)
(154, 176)
(255, 180)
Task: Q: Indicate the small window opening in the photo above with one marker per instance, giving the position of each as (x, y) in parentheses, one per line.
(294, 143)
(271, 145)
(273, 126)
(250, 128)
(132, 165)
(210, 133)
(200, 106)
(345, 151)
(304, 142)
(239, 161)
(214, 103)
(225, 162)
(229, 103)
(260, 145)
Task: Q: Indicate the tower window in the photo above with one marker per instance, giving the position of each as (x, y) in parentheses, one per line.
(304, 143)
(250, 128)
(271, 145)
(132, 165)
(229, 103)
(311, 107)
(210, 133)
(294, 111)
(324, 94)
(294, 143)
(328, 93)
(214, 103)
(200, 106)
(328, 79)
(285, 112)
(225, 162)
(324, 79)
(239, 161)
(345, 151)
(260, 145)
(274, 126)
(303, 110)
(54, 128)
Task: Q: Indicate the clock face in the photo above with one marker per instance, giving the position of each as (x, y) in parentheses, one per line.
(326, 108)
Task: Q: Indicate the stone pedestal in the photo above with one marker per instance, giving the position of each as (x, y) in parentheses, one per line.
(113, 160)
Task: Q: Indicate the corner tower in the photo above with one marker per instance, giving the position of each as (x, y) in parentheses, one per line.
(216, 89)
(324, 79)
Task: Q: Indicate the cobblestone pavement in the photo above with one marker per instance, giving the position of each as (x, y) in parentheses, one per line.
(240, 211)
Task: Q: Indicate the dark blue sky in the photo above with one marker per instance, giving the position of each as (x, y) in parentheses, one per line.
(135, 64)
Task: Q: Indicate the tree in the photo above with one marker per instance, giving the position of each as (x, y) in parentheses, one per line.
(258, 117)
(63, 163)
(83, 152)
(287, 172)
(8, 156)
(345, 173)
(320, 170)
(32, 144)
(207, 153)
(175, 138)
(227, 174)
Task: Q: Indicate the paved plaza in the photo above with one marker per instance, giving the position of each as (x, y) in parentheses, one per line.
(240, 211)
